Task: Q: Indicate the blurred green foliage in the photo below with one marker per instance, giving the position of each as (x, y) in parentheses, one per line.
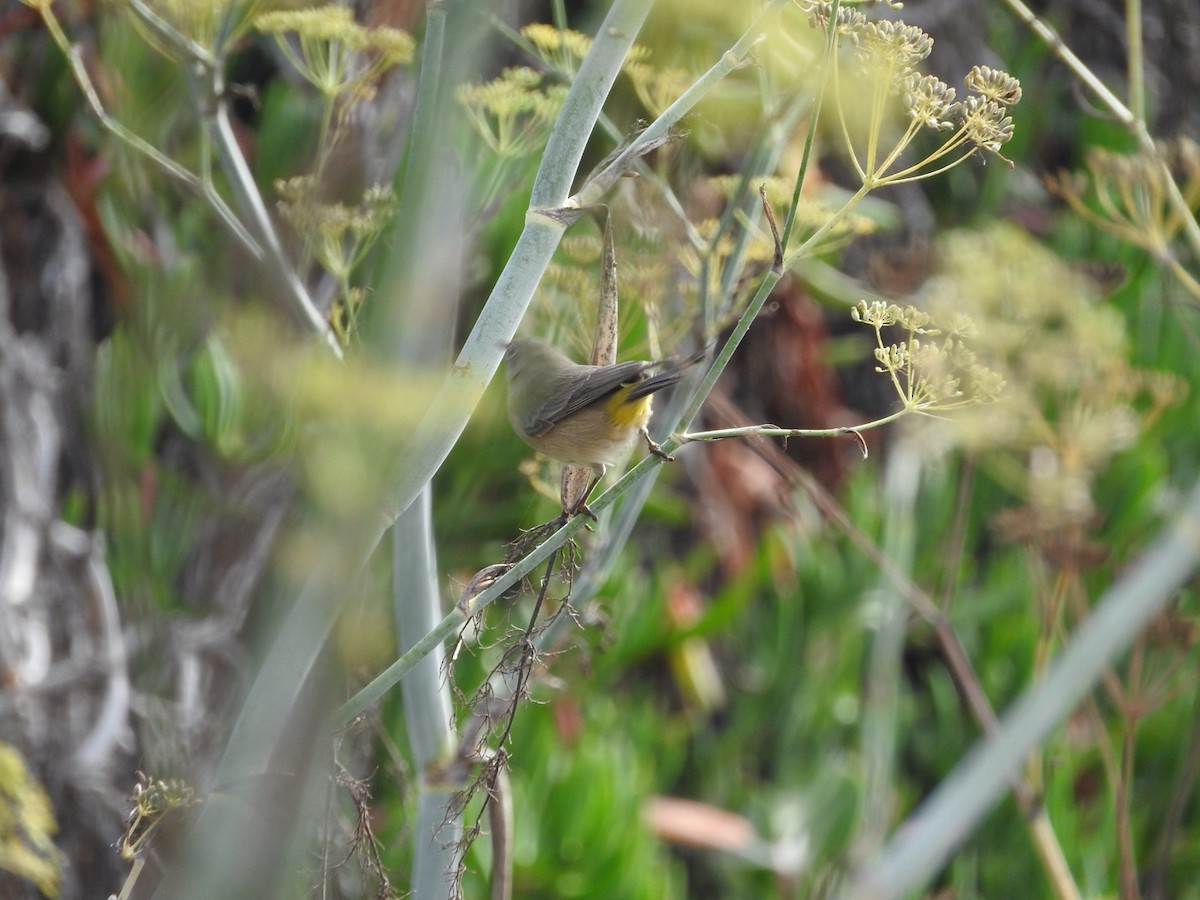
(614, 723)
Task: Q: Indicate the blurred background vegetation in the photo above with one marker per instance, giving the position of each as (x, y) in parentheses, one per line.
(747, 707)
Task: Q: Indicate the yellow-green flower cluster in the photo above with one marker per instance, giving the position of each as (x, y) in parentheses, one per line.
(338, 236)
(656, 88)
(931, 368)
(27, 826)
(885, 79)
(513, 113)
(333, 52)
(561, 49)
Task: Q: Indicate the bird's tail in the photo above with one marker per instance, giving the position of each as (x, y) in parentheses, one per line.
(668, 376)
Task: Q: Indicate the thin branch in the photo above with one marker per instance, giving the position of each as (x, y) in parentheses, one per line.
(744, 431)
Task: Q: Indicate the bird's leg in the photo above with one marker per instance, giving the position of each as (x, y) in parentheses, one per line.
(581, 508)
(656, 448)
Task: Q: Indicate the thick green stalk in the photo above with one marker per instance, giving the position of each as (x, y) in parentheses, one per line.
(427, 707)
(423, 336)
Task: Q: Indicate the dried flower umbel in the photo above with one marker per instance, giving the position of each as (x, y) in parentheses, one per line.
(877, 73)
(1127, 196)
(153, 799)
(338, 236)
(931, 370)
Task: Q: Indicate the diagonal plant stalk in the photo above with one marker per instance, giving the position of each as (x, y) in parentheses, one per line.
(923, 844)
(282, 275)
(733, 58)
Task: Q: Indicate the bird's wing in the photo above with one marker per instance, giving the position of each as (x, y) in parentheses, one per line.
(582, 390)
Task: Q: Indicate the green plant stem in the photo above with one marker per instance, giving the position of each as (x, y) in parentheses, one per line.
(775, 431)
(1134, 65)
(763, 157)
(766, 286)
(1188, 767)
(450, 625)
(1131, 710)
(276, 264)
(1128, 874)
(1186, 278)
(416, 601)
(427, 707)
(204, 72)
(182, 46)
(207, 79)
(789, 223)
(1050, 852)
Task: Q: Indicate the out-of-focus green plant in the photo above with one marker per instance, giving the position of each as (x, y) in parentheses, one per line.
(335, 54)
(339, 237)
(1072, 400)
(1132, 199)
(344, 61)
(27, 826)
